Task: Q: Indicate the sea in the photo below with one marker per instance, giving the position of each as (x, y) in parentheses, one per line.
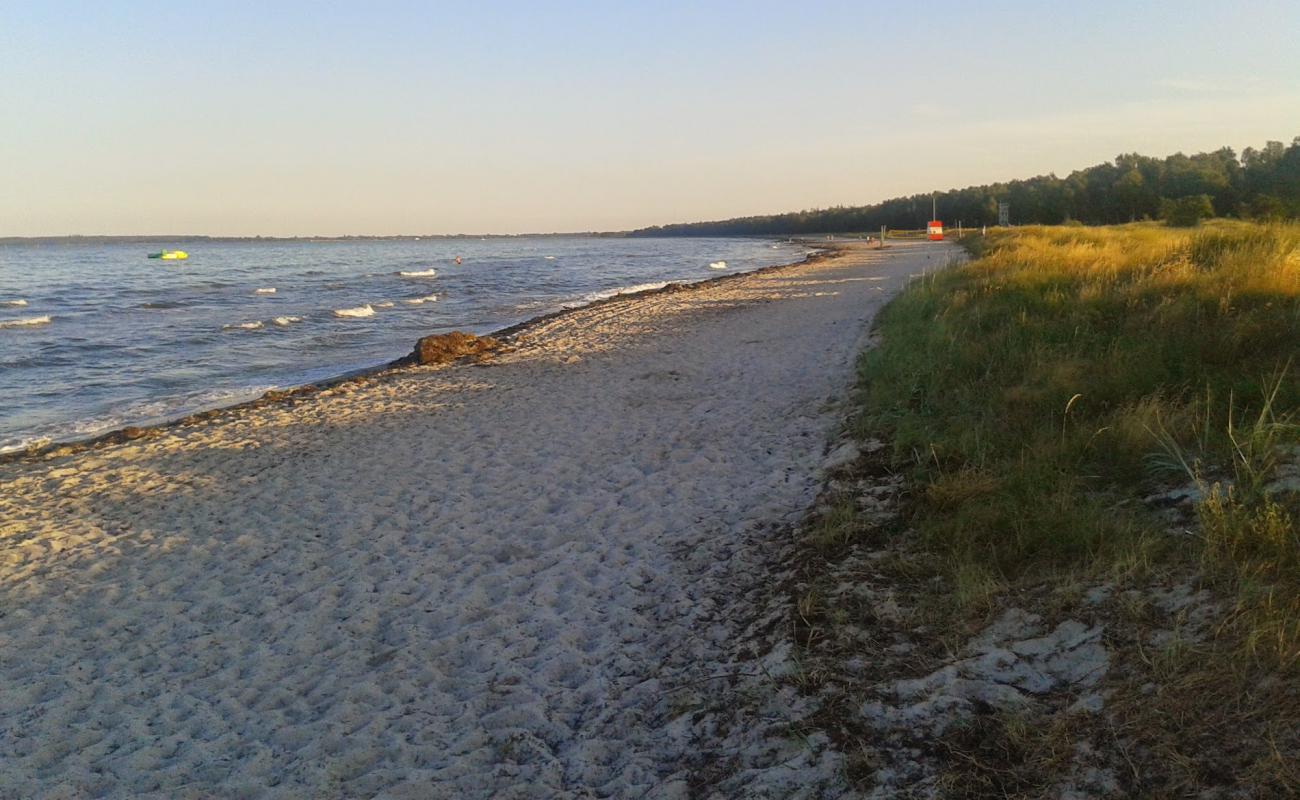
(96, 336)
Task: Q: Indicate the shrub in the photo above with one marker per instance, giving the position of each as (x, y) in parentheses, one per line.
(1266, 207)
(1187, 212)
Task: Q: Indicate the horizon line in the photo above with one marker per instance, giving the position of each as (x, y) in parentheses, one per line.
(193, 237)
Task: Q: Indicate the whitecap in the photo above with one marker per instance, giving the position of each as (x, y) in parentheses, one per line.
(415, 301)
(360, 311)
(424, 273)
(286, 321)
(267, 290)
(549, 258)
(242, 326)
(14, 303)
(26, 322)
(607, 293)
(718, 265)
(14, 446)
(383, 304)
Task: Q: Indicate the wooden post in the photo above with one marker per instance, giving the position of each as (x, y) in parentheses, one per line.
(882, 237)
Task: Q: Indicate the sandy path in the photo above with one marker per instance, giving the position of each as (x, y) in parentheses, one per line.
(518, 580)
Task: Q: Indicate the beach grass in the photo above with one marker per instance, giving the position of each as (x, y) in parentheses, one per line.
(1052, 398)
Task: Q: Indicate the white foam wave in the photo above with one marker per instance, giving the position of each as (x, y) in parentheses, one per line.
(15, 445)
(718, 265)
(242, 326)
(605, 293)
(360, 311)
(415, 301)
(13, 303)
(549, 258)
(150, 412)
(266, 290)
(383, 304)
(424, 273)
(26, 322)
(286, 321)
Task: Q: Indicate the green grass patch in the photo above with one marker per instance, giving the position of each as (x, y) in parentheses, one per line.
(1038, 394)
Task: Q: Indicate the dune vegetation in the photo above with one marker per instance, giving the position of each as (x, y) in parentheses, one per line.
(1117, 407)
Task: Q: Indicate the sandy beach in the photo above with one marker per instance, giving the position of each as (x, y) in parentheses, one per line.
(546, 576)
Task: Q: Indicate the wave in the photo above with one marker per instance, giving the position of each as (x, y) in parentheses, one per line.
(16, 445)
(163, 304)
(13, 303)
(424, 273)
(244, 326)
(42, 359)
(383, 304)
(284, 322)
(607, 293)
(361, 311)
(549, 258)
(147, 412)
(718, 265)
(415, 301)
(267, 290)
(26, 322)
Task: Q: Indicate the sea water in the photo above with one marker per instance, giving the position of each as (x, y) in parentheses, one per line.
(95, 336)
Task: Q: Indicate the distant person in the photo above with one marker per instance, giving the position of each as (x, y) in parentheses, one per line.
(457, 259)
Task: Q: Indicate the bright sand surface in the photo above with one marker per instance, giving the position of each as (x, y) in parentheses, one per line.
(550, 576)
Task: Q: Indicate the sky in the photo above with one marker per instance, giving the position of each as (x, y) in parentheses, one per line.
(318, 118)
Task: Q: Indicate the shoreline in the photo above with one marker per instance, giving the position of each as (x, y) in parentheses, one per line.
(550, 576)
(145, 430)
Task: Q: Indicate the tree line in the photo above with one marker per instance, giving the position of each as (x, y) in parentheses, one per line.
(1260, 184)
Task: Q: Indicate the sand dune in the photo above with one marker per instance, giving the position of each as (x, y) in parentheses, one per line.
(544, 577)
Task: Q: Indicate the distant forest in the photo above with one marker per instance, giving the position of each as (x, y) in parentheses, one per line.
(1260, 184)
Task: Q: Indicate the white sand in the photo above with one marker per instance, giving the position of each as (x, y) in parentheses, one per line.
(518, 580)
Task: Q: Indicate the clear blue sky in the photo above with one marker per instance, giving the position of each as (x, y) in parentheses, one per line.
(283, 118)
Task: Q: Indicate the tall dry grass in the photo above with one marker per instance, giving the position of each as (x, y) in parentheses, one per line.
(1041, 389)
(1042, 393)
